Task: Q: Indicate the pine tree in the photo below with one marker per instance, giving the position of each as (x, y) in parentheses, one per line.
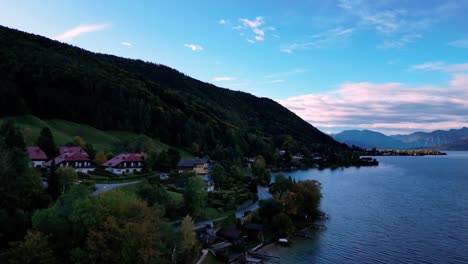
(46, 143)
(53, 187)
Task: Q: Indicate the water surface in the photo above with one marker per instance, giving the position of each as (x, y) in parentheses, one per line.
(406, 210)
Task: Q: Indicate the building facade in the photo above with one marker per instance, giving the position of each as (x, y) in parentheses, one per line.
(125, 163)
(74, 157)
(37, 156)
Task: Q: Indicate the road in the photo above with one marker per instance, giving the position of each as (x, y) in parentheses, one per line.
(262, 193)
(104, 187)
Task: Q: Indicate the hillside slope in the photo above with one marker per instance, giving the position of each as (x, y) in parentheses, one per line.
(108, 141)
(54, 80)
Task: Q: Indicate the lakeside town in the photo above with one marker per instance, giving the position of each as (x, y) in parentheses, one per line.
(232, 215)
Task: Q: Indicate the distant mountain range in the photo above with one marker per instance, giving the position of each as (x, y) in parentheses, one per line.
(453, 139)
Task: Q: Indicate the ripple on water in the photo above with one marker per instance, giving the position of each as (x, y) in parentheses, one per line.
(407, 210)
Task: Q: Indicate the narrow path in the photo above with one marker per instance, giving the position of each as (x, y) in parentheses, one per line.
(262, 193)
(104, 187)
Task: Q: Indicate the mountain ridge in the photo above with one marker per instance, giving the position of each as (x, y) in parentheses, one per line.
(439, 139)
(50, 79)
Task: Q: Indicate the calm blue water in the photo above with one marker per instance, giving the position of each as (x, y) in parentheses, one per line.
(406, 210)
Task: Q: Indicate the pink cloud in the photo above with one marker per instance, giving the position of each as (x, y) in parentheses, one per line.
(388, 107)
(460, 80)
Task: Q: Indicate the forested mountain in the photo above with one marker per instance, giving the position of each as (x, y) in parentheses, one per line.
(434, 138)
(453, 139)
(368, 139)
(50, 79)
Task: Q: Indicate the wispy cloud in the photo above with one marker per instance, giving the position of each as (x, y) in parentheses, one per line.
(320, 40)
(223, 79)
(397, 27)
(80, 30)
(257, 28)
(345, 4)
(283, 74)
(223, 21)
(387, 107)
(461, 43)
(125, 43)
(400, 42)
(441, 66)
(194, 47)
(277, 81)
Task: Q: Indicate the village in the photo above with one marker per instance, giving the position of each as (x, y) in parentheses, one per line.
(228, 238)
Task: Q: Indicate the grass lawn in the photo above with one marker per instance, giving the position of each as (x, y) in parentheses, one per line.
(212, 213)
(210, 259)
(133, 188)
(65, 131)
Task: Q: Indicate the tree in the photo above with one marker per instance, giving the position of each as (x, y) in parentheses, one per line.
(66, 177)
(218, 175)
(308, 197)
(281, 184)
(21, 190)
(27, 134)
(79, 141)
(46, 142)
(188, 240)
(173, 156)
(282, 224)
(34, 249)
(113, 227)
(53, 186)
(128, 233)
(89, 148)
(260, 171)
(195, 194)
(268, 209)
(100, 157)
(236, 173)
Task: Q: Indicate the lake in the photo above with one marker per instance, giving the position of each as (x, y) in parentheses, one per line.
(406, 210)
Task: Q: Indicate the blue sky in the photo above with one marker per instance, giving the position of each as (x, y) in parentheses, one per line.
(390, 66)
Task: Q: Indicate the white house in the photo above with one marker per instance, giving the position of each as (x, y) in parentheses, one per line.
(37, 156)
(74, 157)
(125, 163)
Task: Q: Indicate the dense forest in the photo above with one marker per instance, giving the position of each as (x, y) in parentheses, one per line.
(50, 79)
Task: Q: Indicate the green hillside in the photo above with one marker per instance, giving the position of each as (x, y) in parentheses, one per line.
(52, 80)
(65, 131)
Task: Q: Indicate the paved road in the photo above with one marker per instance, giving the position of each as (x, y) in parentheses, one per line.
(262, 193)
(104, 187)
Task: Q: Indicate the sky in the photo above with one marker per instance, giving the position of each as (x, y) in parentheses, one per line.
(391, 66)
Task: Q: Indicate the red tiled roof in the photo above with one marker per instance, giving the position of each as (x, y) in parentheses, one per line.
(131, 157)
(36, 153)
(78, 155)
(64, 150)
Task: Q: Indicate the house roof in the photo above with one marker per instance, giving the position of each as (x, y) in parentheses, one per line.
(229, 232)
(36, 153)
(191, 162)
(68, 155)
(66, 149)
(132, 157)
(253, 226)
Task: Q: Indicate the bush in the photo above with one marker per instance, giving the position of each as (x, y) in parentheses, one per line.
(90, 184)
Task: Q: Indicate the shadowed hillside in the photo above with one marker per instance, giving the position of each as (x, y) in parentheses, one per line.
(53, 80)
